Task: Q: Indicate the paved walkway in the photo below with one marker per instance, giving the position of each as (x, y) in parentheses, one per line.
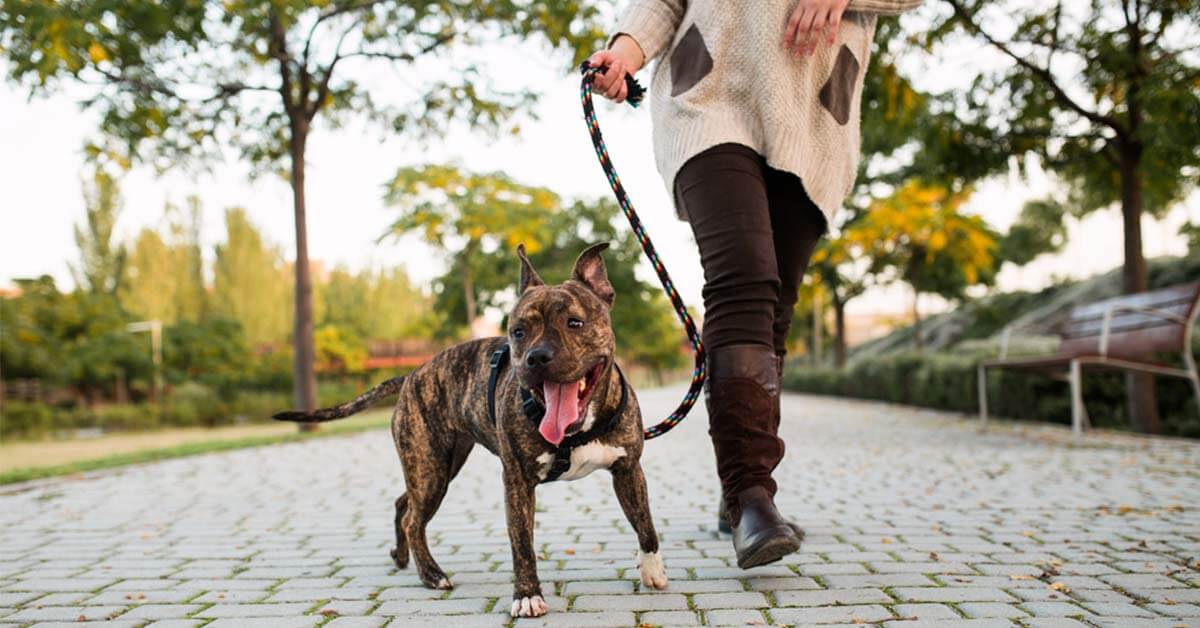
(914, 518)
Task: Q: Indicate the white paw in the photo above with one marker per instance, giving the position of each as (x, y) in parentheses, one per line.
(532, 606)
(445, 583)
(650, 566)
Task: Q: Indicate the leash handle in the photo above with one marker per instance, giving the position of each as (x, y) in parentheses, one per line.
(635, 96)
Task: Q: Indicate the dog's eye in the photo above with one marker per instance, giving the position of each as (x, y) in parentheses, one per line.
(574, 323)
(517, 333)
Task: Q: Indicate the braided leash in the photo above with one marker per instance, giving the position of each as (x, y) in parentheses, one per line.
(635, 94)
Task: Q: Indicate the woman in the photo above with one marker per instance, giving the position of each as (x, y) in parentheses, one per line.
(756, 110)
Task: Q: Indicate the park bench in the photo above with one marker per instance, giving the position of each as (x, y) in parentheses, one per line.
(1129, 332)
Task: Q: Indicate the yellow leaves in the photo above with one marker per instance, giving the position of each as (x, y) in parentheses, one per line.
(1060, 587)
(97, 53)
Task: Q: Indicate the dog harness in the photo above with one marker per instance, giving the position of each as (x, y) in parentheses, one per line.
(534, 410)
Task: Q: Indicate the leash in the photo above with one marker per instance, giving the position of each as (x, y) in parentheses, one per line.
(635, 94)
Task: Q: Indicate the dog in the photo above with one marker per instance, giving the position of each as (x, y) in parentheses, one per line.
(548, 399)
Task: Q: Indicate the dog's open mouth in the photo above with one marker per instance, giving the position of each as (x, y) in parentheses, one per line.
(566, 404)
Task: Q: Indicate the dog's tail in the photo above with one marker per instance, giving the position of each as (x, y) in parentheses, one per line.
(354, 406)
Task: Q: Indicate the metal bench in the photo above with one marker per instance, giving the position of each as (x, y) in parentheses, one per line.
(1129, 332)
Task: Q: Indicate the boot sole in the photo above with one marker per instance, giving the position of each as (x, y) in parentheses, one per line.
(768, 551)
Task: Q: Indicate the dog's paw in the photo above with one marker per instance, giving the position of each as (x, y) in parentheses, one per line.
(532, 606)
(652, 570)
(443, 583)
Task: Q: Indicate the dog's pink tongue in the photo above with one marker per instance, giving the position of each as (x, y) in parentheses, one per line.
(562, 409)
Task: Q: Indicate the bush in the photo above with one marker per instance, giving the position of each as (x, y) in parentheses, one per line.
(947, 381)
(25, 419)
(194, 404)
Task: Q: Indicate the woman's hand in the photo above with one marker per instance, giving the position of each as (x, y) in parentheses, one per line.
(624, 57)
(809, 21)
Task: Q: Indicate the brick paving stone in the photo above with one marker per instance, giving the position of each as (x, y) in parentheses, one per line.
(909, 513)
(670, 618)
(356, 622)
(951, 594)
(267, 622)
(925, 611)
(1054, 622)
(990, 609)
(659, 602)
(744, 599)
(830, 614)
(433, 607)
(253, 610)
(1055, 609)
(950, 623)
(831, 597)
(161, 611)
(734, 617)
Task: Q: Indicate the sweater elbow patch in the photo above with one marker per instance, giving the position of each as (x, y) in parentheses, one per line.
(837, 93)
(690, 62)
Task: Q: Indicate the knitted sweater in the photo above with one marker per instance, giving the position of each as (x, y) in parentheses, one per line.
(727, 78)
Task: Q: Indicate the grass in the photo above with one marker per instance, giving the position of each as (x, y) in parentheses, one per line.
(118, 450)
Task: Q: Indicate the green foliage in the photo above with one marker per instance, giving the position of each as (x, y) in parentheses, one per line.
(947, 381)
(101, 266)
(1039, 229)
(213, 352)
(258, 72)
(165, 278)
(479, 219)
(250, 282)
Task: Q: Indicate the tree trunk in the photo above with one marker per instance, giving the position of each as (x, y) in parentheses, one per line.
(839, 341)
(1139, 387)
(817, 349)
(304, 386)
(469, 296)
(916, 326)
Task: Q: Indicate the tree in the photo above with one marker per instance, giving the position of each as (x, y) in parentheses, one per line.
(463, 214)
(250, 281)
(101, 264)
(920, 236)
(479, 219)
(179, 81)
(1104, 95)
(1039, 229)
(840, 264)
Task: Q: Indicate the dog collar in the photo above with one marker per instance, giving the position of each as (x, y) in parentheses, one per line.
(534, 410)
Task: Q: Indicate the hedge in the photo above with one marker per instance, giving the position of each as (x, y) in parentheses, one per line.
(948, 381)
(188, 405)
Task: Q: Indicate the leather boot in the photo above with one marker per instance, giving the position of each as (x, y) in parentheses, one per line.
(743, 385)
(723, 523)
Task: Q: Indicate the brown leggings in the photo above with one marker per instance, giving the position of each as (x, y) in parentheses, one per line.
(756, 229)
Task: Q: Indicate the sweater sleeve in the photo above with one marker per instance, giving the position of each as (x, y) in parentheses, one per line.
(885, 7)
(652, 24)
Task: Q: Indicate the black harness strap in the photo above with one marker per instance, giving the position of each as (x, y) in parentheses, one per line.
(532, 407)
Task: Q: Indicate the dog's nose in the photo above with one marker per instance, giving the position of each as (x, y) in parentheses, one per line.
(539, 356)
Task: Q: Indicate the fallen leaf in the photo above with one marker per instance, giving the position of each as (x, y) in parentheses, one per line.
(1020, 576)
(329, 612)
(570, 551)
(934, 556)
(1060, 587)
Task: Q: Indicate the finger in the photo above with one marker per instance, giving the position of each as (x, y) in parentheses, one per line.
(598, 58)
(623, 94)
(835, 21)
(820, 20)
(616, 78)
(789, 30)
(807, 26)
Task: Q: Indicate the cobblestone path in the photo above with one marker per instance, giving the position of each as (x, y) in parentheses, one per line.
(914, 518)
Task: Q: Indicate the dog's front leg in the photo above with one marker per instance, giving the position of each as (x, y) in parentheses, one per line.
(519, 502)
(629, 483)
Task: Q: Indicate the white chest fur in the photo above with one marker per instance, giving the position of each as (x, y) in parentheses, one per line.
(585, 459)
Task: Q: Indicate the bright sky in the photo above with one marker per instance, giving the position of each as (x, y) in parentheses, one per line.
(41, 168)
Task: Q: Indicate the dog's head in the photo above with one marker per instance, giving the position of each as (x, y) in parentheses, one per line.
(562, 340)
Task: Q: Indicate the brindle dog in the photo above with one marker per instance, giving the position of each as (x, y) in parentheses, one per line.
(562, 354)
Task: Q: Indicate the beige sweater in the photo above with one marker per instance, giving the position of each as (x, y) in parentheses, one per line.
(725, 77)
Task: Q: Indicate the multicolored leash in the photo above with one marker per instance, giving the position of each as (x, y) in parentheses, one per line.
(635, 94)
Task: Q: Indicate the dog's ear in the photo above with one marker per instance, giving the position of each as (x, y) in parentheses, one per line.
(529, 276)
(589, 270)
